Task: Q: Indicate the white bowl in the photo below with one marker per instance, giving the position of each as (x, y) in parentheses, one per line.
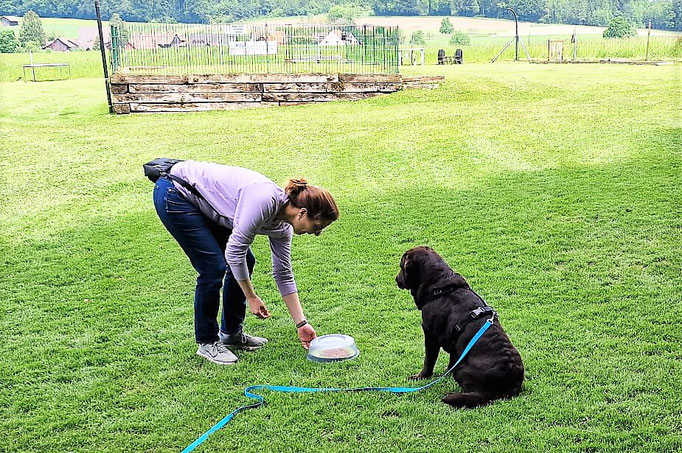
(332, 348)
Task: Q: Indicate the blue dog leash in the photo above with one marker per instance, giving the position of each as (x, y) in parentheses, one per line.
(248, 391)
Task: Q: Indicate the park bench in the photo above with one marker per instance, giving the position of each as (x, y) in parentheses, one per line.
(457, 58)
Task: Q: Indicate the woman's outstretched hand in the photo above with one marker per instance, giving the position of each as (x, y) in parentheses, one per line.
(306, 334)
(258, 308)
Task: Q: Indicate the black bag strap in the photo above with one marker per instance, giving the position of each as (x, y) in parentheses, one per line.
(193, 190)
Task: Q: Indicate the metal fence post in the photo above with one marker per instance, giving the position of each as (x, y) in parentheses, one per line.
(102, 46)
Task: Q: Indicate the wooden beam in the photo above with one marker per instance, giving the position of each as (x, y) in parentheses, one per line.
(224, 78)
(377, 78)
(196, 88)
(121, 108)
(192, 107)
(313, 97)
(119, 88)
(172, 98)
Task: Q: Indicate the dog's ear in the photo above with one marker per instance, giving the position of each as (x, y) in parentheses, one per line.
(406, 263)
(406, 273)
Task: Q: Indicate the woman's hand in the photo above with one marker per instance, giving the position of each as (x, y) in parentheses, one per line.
(258, 308)
(306, 334)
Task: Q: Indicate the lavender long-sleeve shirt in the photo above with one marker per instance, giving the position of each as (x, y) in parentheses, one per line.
(247, 203)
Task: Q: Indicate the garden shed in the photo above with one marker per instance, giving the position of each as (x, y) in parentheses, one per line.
(9, 21)
(61, 45)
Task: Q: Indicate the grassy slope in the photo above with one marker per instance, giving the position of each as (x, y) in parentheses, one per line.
(554, 190)
(67, 28)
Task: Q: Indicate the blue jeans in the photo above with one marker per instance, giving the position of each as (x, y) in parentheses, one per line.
(204, 241)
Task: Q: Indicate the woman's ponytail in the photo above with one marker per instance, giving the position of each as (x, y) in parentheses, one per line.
(317, 201)
(295, 187)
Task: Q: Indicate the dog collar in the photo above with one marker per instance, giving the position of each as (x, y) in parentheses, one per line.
(437, 292)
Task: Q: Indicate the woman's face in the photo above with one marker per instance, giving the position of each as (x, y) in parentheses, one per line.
(305, 225)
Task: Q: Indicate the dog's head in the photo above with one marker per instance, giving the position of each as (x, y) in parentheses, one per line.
(422, 270)
(414, 265)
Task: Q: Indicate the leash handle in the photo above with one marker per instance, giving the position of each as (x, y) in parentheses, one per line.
(248, 391)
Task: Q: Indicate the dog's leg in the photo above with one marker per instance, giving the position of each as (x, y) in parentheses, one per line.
(432, 349)
(469, 399)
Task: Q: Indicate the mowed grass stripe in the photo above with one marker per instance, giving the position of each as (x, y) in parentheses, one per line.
(555, 191)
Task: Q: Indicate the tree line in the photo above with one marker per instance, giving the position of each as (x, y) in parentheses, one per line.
(663, 14)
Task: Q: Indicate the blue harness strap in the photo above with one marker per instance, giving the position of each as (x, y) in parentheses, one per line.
(248, 391)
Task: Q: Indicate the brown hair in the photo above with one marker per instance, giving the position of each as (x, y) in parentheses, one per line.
(317, 201)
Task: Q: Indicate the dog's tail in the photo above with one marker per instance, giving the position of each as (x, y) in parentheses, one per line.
(469, 399)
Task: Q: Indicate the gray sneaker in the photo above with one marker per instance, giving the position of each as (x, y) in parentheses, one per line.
(242, 341)
(217, 353)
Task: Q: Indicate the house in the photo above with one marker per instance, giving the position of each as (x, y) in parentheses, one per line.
(209, 39)
(337, 37)
(61, 45)
(177, 41)
(88, 36)
(9, 21)
(278, 36)
(154, 40)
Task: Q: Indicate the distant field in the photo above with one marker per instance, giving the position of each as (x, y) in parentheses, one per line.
(488, 36)
(476, 26)
(67, 28)
(471, 25)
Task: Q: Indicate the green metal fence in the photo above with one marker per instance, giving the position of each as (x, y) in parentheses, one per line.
(253, 48)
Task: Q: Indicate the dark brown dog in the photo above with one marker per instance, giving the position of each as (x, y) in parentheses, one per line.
(493, 368)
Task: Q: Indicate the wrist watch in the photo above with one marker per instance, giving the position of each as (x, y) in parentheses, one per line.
(301, 324)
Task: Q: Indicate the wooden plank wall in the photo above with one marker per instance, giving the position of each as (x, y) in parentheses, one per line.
(157, 93)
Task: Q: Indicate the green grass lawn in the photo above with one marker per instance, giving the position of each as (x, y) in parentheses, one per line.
(555, 190)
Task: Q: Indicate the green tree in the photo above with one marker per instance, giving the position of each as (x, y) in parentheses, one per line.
(620, 27)
(461, 38)
(446, 26)
(472, 8)
(418, 38)
(31, 29)
(342, 15)
(123, 31)
(8, 42)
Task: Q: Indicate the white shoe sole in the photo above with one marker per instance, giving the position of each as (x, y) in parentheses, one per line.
(217, 362)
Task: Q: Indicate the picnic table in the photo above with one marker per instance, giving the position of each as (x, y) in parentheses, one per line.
(33, 67)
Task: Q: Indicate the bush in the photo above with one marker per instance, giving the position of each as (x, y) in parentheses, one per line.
(30, 46)
(8, 42)
(418, 38)
(619, 27)
(446, 26)
(342, 14)
(461, 38)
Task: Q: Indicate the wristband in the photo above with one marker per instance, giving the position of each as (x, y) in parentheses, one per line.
(301, 324)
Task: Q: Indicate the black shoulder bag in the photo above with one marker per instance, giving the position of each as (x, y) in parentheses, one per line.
(161, 167)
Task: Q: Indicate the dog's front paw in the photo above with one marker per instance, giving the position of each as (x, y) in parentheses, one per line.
(420, 376)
